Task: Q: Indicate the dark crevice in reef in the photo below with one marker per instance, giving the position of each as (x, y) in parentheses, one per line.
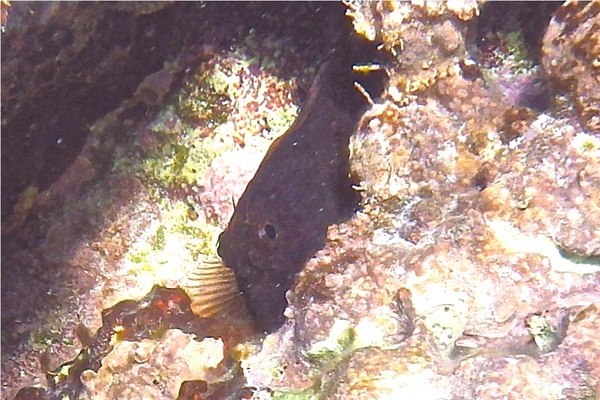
(45, 124)
(511, 34)
(504, 17)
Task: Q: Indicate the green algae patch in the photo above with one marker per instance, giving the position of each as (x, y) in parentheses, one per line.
(544, 334)
(308, 394)
(177, 237)
(278, 121)
(170, 155)
(50, 332)
(204, 97)
(586, 144)
(515, 54)
(159, 239)
(336, 346)
(241, 87)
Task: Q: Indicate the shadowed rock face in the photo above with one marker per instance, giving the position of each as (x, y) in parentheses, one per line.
(64, 66)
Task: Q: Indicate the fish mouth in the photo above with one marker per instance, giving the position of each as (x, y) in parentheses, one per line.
(265, 299)
(221, 242)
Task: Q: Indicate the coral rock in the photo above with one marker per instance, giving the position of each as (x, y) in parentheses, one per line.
(571, 55)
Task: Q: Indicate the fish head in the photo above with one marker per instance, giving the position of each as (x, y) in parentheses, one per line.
(266, 246)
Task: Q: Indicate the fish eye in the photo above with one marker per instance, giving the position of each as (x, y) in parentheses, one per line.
(267, 231)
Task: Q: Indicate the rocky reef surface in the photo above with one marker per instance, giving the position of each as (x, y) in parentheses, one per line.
(471, 270)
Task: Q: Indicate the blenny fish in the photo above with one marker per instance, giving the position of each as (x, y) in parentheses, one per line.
(301, 187)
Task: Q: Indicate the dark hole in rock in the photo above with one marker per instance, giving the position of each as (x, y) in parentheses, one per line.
(502, 18)
(514, 31)
(192, 390)
(481, 180)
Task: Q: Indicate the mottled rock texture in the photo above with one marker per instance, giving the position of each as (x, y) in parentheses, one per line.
(480, 225)
(152, 369)
(571, 55)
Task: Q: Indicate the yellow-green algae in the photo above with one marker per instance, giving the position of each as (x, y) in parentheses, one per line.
(176, 164)
(49, 332)
(586, 144)
(325, 357)
(204, 97)
(336, 346)
(544, 334)
(175, 237)
(179, 159)
(240, 88)
(513, 53)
